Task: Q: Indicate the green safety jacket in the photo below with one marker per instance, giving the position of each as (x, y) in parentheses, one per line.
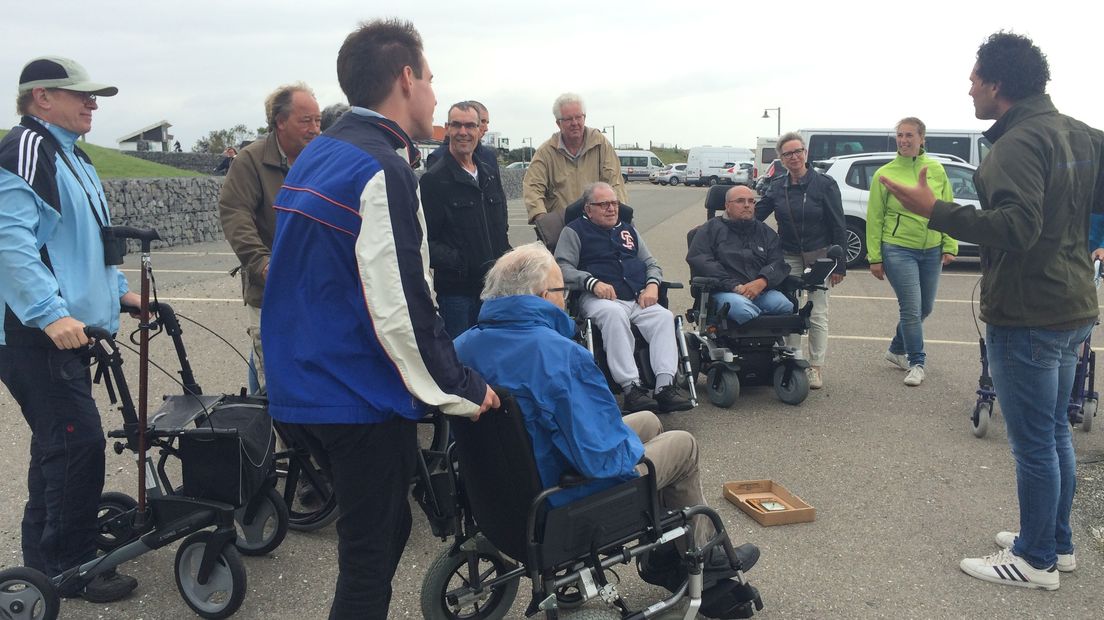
(889, 222)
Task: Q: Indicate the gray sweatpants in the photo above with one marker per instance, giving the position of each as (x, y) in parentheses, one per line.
(615, 319)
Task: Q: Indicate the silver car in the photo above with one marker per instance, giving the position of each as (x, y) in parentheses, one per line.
(671, 174)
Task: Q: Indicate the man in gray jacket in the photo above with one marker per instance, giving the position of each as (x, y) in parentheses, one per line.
(1038, 186)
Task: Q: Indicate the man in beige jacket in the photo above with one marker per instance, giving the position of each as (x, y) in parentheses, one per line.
(571, 159)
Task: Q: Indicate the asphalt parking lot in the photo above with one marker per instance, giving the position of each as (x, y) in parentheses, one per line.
(902, 488)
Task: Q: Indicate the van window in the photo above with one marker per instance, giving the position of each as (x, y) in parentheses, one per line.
(633, 161)
(769, 154)
(825, 146)
(949, 145)
(652, 161)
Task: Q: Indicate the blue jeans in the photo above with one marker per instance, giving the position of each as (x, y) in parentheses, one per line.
(459, 312)
(741, 309)
(1033, 374)
(914, 276)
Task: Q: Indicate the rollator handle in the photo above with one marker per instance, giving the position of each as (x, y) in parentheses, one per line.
(96, 333)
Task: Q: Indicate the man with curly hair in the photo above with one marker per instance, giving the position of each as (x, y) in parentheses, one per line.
(1038, 186)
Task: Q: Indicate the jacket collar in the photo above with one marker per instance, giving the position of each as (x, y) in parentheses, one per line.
(61, 137)
(459, 174)
(391, 130)
(1020, 111)
(525, 311)
(271, 155)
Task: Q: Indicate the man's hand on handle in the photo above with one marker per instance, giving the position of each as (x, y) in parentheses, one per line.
(67, 333)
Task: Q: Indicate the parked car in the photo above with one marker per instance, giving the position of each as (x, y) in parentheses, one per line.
(742, 173)
(518, 165)
(774, 170)
(853, 173)
(671, 174)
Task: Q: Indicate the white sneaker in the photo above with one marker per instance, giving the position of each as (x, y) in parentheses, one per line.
(897, 359)
(816, 379)
(1007, 569)
(1067, 563)
(915, 376)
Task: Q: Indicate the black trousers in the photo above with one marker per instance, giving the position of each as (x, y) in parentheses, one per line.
(371, 466)
(66, 472)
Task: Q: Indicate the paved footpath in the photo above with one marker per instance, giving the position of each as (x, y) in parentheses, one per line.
(902, 489)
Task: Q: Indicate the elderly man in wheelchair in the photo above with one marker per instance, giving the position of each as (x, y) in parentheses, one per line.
(745, 303)
(559, 480)
(605, 259)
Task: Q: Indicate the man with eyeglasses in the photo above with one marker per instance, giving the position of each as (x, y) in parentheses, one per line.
(57, 279)
(745, 255)
(606, 260)
(466, 221)
(571, 159)
(247, 195)
(483, 152)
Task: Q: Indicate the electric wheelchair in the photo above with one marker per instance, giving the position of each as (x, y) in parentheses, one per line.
(505, 529)
(587, 333)
(754, 353)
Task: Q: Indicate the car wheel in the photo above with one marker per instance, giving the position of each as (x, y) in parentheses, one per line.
(663, 182)
(712, 181)
(674, 180)
(856, 243)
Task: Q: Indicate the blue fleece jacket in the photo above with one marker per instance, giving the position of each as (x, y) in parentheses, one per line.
(523, 343)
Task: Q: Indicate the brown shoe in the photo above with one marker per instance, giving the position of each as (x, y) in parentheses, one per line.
(816, 378)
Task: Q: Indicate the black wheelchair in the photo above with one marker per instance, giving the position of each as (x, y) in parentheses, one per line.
(755, 353)
(505, 530)
(588, 335)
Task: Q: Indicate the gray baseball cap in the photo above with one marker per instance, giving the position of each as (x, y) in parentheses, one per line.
(58, 72)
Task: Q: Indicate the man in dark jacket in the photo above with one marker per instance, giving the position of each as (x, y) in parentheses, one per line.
(745, 255)
(466, 224)
(606, 261)
(1037, 186)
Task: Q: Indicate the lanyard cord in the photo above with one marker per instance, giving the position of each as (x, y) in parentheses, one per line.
(101, 221)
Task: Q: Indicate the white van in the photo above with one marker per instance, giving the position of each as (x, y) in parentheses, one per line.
(705, 165)
(638, 165)
(968, 144)
(765, 153)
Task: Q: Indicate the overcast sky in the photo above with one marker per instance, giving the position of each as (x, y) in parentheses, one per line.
(686, 73)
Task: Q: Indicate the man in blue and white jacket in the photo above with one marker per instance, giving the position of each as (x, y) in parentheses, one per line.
(55, 282)
(354, 349)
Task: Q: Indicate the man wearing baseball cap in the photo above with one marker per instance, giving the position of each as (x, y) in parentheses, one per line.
(59, 276)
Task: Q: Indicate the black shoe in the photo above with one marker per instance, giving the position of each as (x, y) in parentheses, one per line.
(105, 588)
(671, 398)
(730, 599)
(637, 399)
(309, 499)
(662, 567)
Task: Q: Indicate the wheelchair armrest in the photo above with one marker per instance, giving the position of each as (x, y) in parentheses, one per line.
(570, 479)
(670, 285)
(707, 283)
(791, 285)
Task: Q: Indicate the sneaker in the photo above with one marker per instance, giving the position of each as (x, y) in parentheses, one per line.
(106, 587)
(637, 399)
(915, 376)
(670, 398)
(1006, 568)
(816, 378)
(309, 500)
(899, 360)
(1067, 563)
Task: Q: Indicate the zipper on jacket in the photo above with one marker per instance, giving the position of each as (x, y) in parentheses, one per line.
(896, 226)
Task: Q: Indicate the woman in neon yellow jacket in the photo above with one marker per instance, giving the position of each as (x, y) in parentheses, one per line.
(902, 248)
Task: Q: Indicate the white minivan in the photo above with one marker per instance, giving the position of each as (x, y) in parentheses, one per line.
(705, 165)
(968, 144)
(638, 165)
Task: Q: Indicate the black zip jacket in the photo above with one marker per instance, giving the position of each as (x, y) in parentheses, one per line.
(466, 224)
(809, 213)
(737, 252)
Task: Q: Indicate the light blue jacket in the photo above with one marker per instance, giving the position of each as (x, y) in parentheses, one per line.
(76, 283)
(523, 343)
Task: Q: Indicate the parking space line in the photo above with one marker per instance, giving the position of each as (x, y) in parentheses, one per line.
(972, 343)
(945, 301)
(218, 299)
(183, 253)
(156, 271)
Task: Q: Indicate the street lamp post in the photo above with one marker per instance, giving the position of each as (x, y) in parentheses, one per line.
(525, 152)
(613, 134)
(779, 116)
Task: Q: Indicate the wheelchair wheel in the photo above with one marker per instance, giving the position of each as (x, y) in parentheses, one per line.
(111, 505)
(979, 420)
(314, 509)
(722, 386)
(26, 594)
(451, 571)
(796, 390)
(224, 591)
(262, 523)
(1088, 412)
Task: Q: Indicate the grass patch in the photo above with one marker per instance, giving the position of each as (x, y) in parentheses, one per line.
(111, 164)
(671, 156)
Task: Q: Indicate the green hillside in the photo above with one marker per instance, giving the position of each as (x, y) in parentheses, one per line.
(671, 156)
(111, 164)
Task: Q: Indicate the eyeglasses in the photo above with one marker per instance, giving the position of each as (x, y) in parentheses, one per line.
(793, 153)
(609, 204)
(578, 118)
(741, 201)
(457, 125)
(562, 290)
